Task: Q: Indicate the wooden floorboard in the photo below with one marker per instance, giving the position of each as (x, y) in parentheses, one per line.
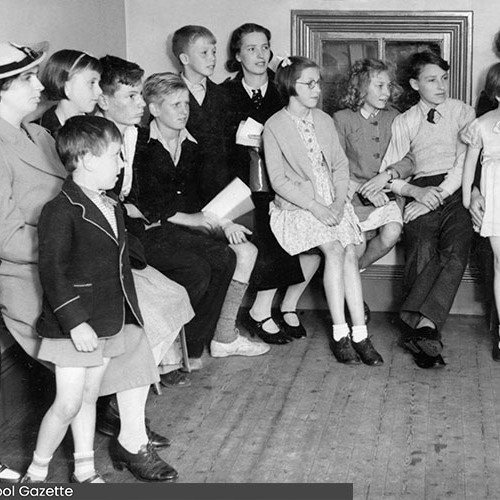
(295, 415)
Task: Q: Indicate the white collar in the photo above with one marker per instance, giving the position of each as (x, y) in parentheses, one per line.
(263, 88)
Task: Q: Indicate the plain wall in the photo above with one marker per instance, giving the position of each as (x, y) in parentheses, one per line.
(151, 22)
(95, 26)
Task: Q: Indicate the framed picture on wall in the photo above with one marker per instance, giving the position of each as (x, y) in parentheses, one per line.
(335, 40)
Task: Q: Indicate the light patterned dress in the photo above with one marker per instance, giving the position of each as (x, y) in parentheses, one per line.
(299, 230)
(480, 134)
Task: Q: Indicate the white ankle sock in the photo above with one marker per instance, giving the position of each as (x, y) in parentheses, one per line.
(84, 465)
(359, 333)
(340, 331)
(39, 468)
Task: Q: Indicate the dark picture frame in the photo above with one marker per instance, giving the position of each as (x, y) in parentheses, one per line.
(335, 39)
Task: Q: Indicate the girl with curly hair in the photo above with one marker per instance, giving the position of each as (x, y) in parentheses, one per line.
(364, 129)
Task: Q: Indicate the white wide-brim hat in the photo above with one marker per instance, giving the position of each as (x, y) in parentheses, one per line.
(14, 59)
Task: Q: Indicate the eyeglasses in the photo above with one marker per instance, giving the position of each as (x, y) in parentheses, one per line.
(311, 84)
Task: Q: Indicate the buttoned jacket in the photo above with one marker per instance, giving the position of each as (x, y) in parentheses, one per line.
(84, 267)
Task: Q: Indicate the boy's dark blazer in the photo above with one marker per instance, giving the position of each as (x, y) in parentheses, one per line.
(84, 268)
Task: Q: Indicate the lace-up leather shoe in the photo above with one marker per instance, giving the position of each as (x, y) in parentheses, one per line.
(108, 423)
(343, 351)
(368, 353)
(145, 465)
(428, 340)
(423, 360)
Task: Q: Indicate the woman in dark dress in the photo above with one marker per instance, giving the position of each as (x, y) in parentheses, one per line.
(252, 94)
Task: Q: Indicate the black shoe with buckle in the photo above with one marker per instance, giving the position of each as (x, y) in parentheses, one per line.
(368, 353)
(257, 328)
(297, 332)
(343, 351)
(108, 423)
(145, 465)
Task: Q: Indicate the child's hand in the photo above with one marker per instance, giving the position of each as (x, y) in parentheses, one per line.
(133, 212)
(374, 185)
(337, 209)
(84, 338)
(431, 196)
(379, 199)
(324, 214)
(236, 233)
(414, 210)
(477, 205)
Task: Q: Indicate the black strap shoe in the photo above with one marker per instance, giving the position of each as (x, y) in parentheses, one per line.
(368, 353)
(297, 332)
(257, 328)
(145, 465)
(343, 351)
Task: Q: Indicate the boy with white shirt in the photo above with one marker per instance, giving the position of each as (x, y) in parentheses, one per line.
(437, 231)
(168, 173)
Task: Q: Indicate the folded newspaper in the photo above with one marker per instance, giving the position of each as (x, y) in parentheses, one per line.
(232, 202)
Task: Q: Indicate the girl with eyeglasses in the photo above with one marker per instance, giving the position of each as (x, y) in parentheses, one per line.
(309, 172)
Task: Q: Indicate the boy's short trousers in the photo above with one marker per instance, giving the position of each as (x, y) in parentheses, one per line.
(62, 352)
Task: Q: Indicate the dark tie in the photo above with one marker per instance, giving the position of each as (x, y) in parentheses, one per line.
(257, 98)
(431, 114)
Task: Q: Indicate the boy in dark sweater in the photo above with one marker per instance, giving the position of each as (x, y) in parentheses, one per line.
(170, 195)
(194, 47)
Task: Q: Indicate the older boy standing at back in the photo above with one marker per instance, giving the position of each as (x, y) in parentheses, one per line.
(438, 230)
(194, 47)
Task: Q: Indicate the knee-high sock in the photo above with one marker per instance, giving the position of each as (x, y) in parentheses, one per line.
(225, 329)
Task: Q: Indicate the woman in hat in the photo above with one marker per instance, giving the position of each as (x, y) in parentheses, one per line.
(31, 174)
